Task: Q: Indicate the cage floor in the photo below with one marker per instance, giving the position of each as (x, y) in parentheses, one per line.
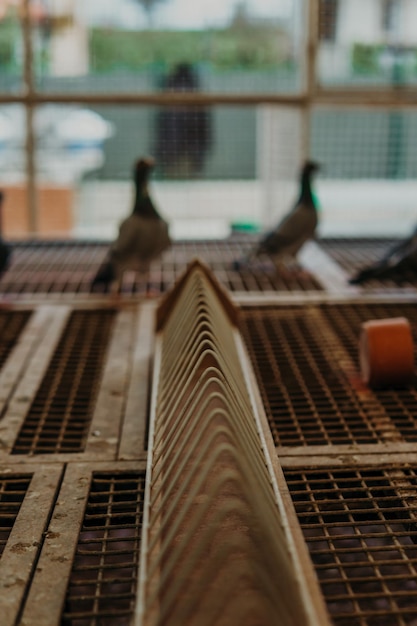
(60, 414)
(359, 526)
(53, 268)
(355, 254)
(306, 360)
(103, 579)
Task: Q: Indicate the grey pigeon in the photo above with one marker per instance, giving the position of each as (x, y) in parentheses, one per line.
(298, 226)
(143, 236)
(397, 263)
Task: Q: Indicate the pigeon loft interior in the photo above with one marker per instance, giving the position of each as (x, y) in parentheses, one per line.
(208, 317)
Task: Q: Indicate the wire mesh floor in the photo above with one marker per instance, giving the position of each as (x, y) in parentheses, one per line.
(53, 268)
(60, 415)
(355, 254)
(103, 580)
(306, 359)
(357, 516)
(360, 529)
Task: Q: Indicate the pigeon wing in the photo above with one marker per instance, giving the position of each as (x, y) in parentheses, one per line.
(140, 240)
(291, 232)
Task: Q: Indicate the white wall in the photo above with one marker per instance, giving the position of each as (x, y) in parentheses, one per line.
(409, 22)
(359, 21)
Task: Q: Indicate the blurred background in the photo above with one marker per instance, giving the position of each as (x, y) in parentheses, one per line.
(228, 95)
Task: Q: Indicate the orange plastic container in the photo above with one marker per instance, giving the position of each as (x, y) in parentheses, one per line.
(386, 352)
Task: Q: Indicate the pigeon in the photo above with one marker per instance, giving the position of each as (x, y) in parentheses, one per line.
(400, 259)
(5, 248)
(298, 226)
(143, 236)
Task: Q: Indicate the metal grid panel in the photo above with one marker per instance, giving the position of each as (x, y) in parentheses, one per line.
(68, 268)
(52, 267)
(308, 374)
(11, 325)
(359, 525)
(354, 254)
(103, 580)
(12, 492)
(220, 255)
(60, 415)
(400, 405)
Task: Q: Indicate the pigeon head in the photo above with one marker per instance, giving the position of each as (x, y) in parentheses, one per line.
(142, 169)
(310, 167)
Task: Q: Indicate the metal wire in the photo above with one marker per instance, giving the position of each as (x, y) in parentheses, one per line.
(103, 580)
(61, 411)
(359, 525)
(354, 254)
(68, 268)
(306, 360)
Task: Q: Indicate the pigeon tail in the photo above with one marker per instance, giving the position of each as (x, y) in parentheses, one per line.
(104, 277)
(363, 276)
(5, 256)
(400, 258)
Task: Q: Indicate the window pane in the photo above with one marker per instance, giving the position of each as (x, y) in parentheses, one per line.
(133, 45)
(367, 184)
(11, 48)
(84, 179)
(367, 43)
(244, 176)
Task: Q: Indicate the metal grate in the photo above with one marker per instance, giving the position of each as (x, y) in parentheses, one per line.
(11, 325)
(52, 267)
(399, 405)
(103, 580)
(306, 363)
(354, 254)
(66, 268)
(360, 528)
(12, 493)
(60, 415)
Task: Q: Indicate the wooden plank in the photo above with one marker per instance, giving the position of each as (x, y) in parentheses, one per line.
(25, 540)
(132, 441)
(106, 422)
(50, 324)
(47, 593)
(28, 341)
(348, 456)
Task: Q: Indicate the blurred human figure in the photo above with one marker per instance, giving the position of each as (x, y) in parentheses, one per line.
(183, 133)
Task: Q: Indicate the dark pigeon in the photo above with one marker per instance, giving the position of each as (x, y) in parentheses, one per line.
(397, 263)
(143, 236)
(298, 226)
